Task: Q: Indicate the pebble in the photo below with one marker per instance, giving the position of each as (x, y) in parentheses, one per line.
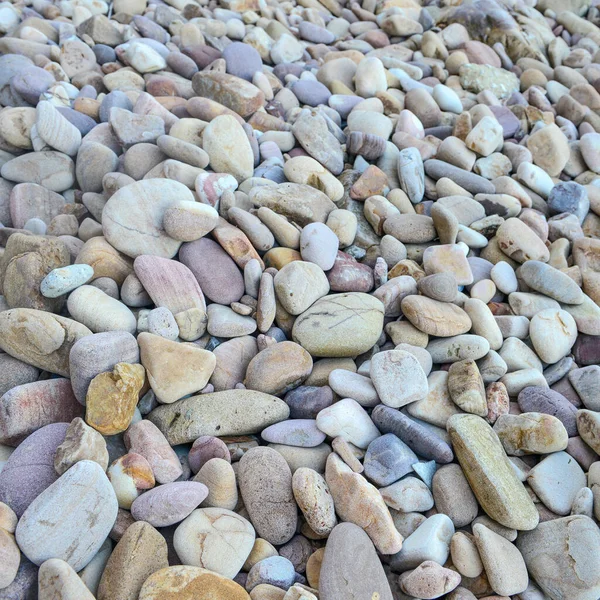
(72, 529)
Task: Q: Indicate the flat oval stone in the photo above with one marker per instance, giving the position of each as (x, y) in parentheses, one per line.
(273, 571)
(296, 432)
(233, 92)
(314, 500)
(30, 468)
(278, 368)
(436, 318)
(39, 338)
(57, 578)
(215, 539)
(231, 412)
(550, 402)
(459, 347)
(490, 474)
(233, 357)
(64, 280)
(348, 419)
(216, 272)
(140, 552)
(351, 566)
(299, 284)
(272, 508)
(340, 325)
(551, 282)
(30, 200)
(71, 518)
(306, 401)
(132, 217)
(169, 283)
(53, 170)
(169, 503)
(26, 408)
(190, 583)
(417, 437)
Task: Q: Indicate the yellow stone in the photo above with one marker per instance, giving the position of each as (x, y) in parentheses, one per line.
(112, 397)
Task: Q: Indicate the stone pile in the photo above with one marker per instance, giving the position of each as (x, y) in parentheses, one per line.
(299, 300)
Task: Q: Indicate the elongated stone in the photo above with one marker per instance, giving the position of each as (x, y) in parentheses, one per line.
(490, 473)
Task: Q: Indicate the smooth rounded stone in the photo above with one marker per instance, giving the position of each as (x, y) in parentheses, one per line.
(513, 326)
(411, 174)
(392, 366)
(276, 571)
(348, 324)
(503, 563)
(408, 495)
(233, 92)
(278, 369)
(490, 474)
(440, 319)
(306, 402)
(64, 280)
(299, 284)
(271, 507)
(438, 406)
(144, 438)
(430, 541)
(348, 419)
(518, 380)
(29, 81)
(310, 92)
(218, 275)
(352, 385)
(204, 449)
(519, 242)
(528, 305)
(227, 413)
(132, 219)
(81, 443)
(161, 322)
(556, 480)
(549, 148)
(465, 556)
(552, 333)
(551, 282)
(388, 459)
(359, 502)
(30, 468)
(561, 555)
(417, 437)
(503, 275)
(57, 579)
(53, 170)
(130, 475)
(297, 457)
(134, 128)
(174, 370)
(410, 228)
(439, 286)
(30, 200)
(207, 537)
(169, 503)
(393, 292)
(586, 315)
(475, 184)
(298, 202)
(297, 432)
(466, 387)
(140, 552)
(28, 407)
(93, 308)
(190, 583)
(459, 347)
(189, 221)
(242, 60)
(429, 580)
(233, 357)
(531, 433)
(99, 353)
(314, 499)
(453, 495)
(218, 476)
(226, 323)
(319, 245)
(228, 147)
(39, 338)
(351, 566)
(54, 129)
(75, 514)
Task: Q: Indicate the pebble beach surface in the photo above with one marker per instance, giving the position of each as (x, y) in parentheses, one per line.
(299, 300)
